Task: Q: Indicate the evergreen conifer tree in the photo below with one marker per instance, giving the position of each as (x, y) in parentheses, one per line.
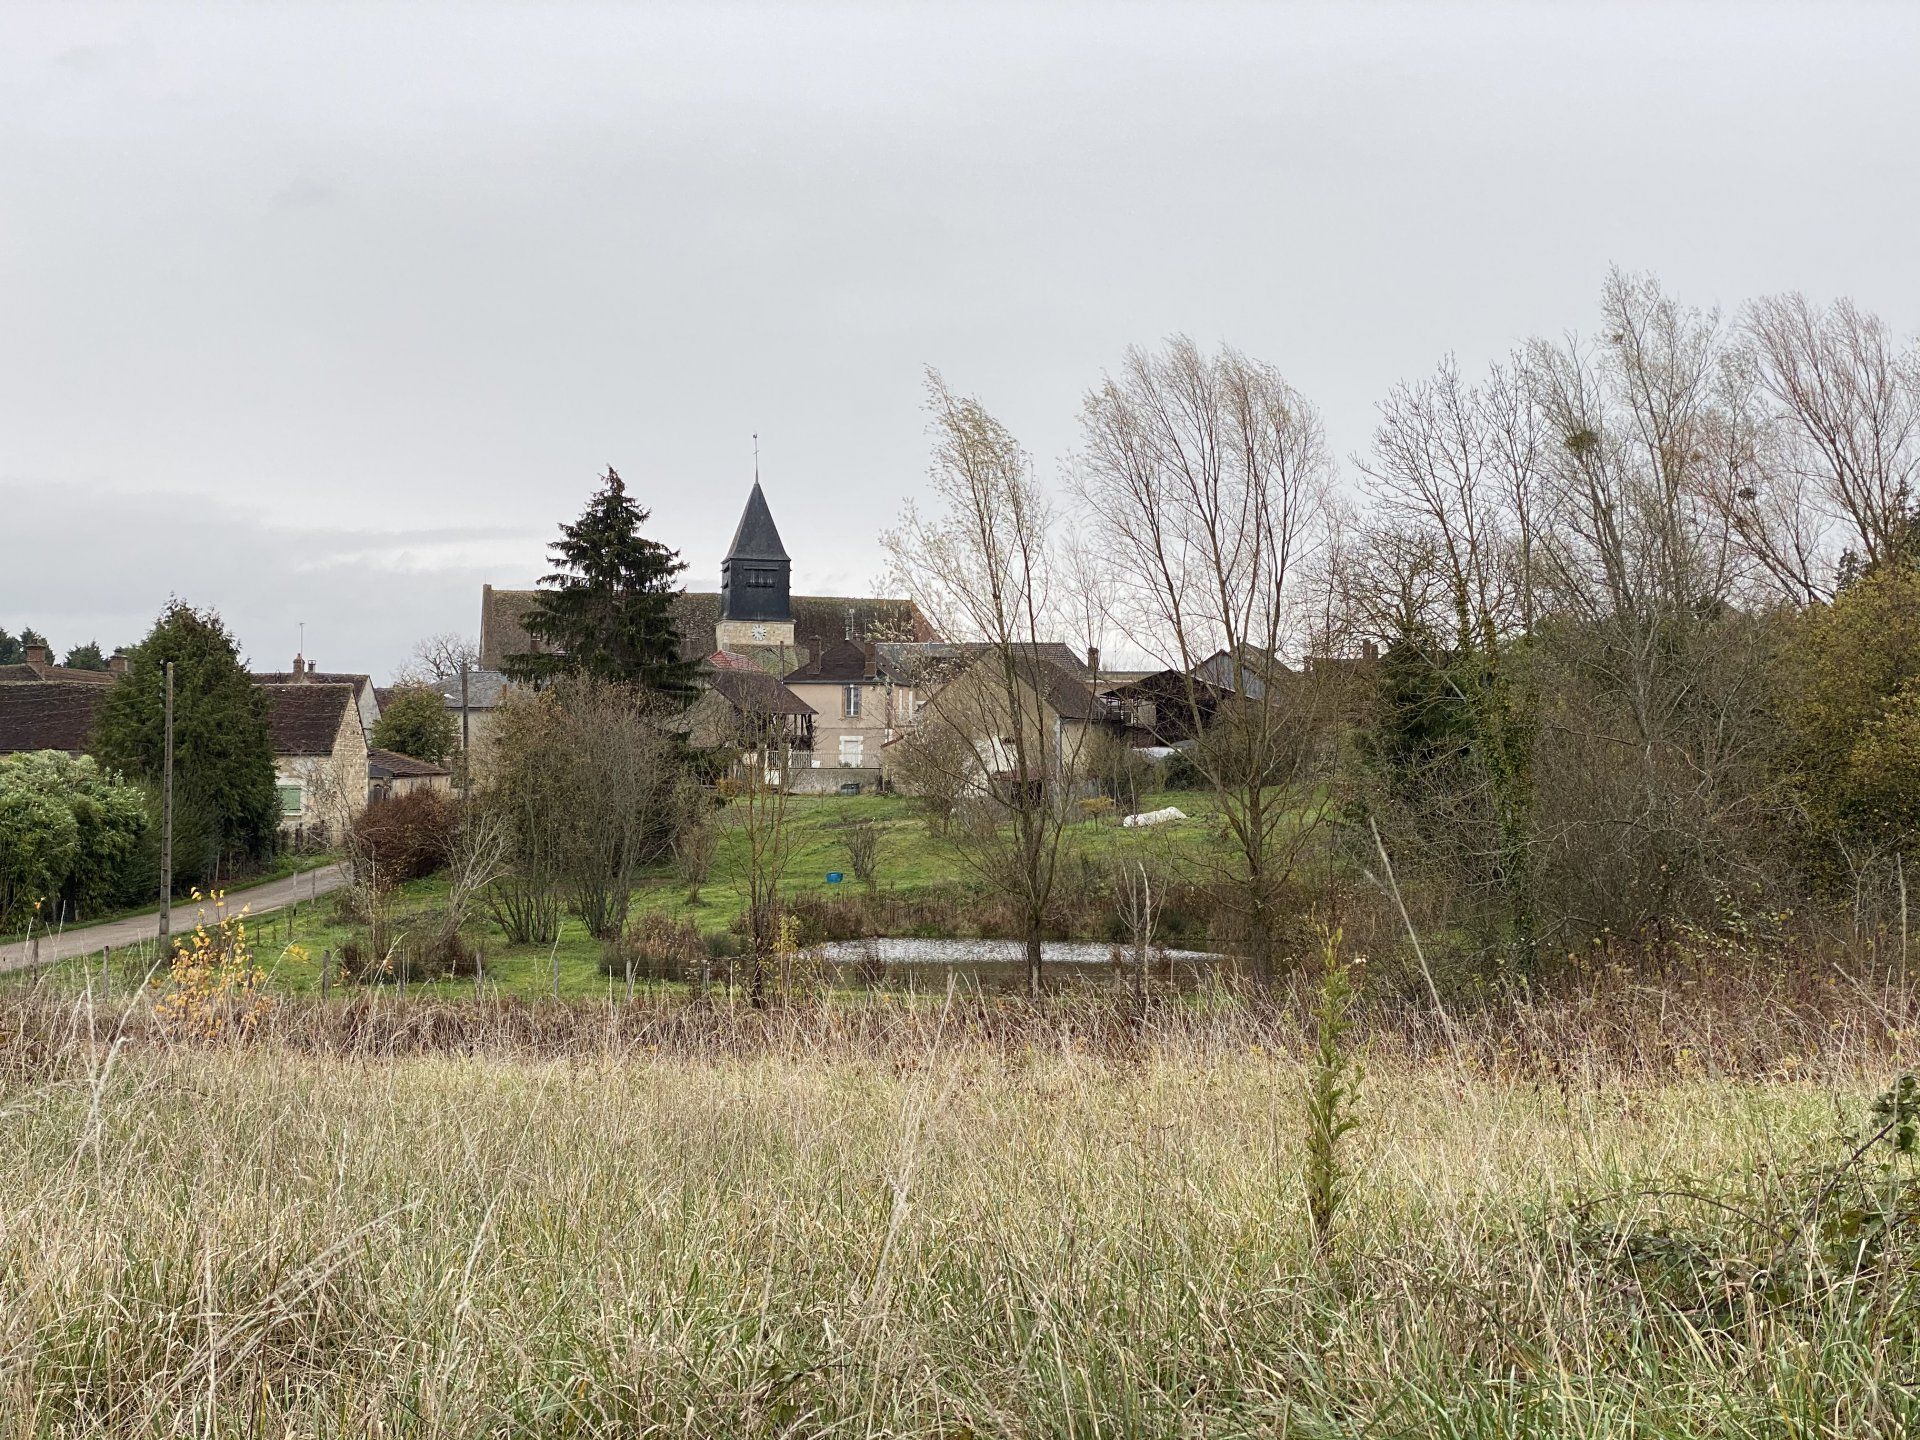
(607, 610)
(223, 757)
(85, 657)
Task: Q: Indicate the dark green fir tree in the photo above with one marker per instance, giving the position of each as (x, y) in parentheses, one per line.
(607, 609)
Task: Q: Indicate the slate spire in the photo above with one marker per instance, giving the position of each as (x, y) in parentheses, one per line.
(755, 575)
(757, 537)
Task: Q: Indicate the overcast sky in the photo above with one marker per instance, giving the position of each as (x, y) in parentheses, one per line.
(327, 313)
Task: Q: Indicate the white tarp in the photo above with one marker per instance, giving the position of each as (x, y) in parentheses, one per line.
(1155, 817)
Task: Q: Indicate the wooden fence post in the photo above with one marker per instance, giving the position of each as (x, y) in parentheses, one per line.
(326, 964)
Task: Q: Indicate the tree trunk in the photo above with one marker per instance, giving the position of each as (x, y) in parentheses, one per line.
(1033, 959)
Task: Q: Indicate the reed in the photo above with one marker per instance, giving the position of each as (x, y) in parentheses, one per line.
(876, 1216)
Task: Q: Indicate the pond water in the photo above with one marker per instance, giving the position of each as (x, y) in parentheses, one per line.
(917, 964)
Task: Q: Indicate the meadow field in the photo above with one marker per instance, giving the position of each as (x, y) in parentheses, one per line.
(1629, 1210)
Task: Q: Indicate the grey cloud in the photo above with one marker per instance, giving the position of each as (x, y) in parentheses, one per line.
(439, 263)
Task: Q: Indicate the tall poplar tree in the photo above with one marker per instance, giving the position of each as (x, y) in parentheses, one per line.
(606, 611)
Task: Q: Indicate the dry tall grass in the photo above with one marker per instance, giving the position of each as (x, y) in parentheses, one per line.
(885, 1218)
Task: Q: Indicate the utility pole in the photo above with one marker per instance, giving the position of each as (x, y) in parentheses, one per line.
(466, 738)
(166, 822)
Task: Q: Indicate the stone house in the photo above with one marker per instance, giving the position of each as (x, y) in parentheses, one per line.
(366, 698)
(474, 699)
(391, 775)
(1055, 709)
(319, 757)
(861, 701)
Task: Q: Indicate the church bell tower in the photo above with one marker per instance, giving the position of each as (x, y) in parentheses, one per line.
(756, 603)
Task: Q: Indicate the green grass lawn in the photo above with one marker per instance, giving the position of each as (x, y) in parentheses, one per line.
(911, 858)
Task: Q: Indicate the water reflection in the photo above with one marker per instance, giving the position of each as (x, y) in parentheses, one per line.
(916, 964)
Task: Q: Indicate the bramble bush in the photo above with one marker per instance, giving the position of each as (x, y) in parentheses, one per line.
(406, 837)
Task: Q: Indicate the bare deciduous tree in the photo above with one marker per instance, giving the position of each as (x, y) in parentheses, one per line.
(438, 658)
(615, 762)
(524, 899)
(1846, 474)
(981, 566)
(1207, 476)
(755, 835)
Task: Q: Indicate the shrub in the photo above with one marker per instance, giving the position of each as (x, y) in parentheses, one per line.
(1121, 773)
(694, 843)
(655, 946)
(1098, 807)
(70, 838)
(863, 850)
(405, 837)
(1182, 772)
(722, 944)
(821, 918)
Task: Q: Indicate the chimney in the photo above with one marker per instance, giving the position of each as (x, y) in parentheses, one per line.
(1369, 650)
(117, 663)
(872, 658)
(37, 656)
(1093, 661)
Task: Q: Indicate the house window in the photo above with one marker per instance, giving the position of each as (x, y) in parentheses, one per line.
(852, 751)
(850, 700)
(293, 799)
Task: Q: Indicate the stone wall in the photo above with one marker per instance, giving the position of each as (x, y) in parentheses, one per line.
(828, 779)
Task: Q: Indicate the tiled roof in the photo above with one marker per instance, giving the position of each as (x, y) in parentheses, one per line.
(1066, 692)
(25, 674)
(920, 659)
(842, 662)
(304, 718)
(318, 677)
(47, 715)
(754, 692)
(392, 765)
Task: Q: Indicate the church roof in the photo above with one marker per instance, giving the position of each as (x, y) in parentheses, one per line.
(757, 537)
(818, 620)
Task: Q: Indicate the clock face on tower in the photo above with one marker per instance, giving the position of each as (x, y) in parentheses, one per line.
(759, 632)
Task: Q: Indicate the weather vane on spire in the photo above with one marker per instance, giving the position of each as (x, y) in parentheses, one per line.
(756, 457)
